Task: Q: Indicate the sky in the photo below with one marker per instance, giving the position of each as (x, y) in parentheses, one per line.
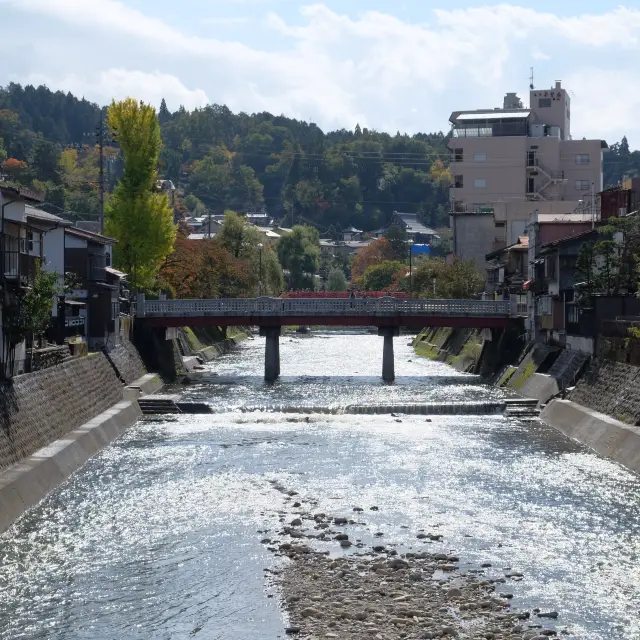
(401, 65)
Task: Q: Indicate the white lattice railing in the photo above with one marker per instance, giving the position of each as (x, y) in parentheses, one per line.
(261, 307)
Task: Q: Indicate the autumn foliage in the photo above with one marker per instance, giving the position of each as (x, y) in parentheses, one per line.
(204, 269)
(14, 167)
(377, 252)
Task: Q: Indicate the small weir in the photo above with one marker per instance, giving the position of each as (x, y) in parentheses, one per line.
(524, 406)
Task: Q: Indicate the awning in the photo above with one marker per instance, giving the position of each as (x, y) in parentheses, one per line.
(74, 303)
(115, 272)
(527, 284)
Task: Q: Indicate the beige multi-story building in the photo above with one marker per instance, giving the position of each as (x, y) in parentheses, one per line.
(507, 162)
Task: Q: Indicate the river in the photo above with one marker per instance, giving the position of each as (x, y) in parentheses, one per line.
(159, 536)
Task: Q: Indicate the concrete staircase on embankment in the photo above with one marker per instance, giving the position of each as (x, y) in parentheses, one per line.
(165, 404)
(159, 404)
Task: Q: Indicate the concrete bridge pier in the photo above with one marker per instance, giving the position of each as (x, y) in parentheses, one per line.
(271, 353)
(388, 365)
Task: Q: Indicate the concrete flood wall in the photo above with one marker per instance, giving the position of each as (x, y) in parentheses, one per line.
(51, 422)
(38, 408)
(25, 484)
(601, 412)
(607, 436)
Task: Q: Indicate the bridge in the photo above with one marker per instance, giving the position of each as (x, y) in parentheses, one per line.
(389, 315)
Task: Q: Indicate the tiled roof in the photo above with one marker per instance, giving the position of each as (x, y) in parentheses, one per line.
(90, 236)
(413, 225)
(32, 212)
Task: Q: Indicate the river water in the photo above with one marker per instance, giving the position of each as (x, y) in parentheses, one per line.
(159, 535)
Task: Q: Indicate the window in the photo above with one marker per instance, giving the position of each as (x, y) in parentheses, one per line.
(550, 267)
(480, 156)
(544, 102)
(458, 182)
(480, 183)
(573, 314)
(458, 155)
(30, 240)
(582, 185)
(582, 158)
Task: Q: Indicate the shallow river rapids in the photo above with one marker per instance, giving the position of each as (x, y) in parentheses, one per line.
(159, 535)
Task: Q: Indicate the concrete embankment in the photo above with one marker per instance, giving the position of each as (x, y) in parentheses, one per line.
(601, 404)
(52, 421)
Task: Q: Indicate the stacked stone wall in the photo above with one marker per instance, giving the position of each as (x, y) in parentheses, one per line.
(612, 388)
(38, 408)
(127, 361)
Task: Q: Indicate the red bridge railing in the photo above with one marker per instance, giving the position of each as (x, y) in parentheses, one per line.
(343, 294)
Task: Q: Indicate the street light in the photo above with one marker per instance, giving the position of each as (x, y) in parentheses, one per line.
(260, 246)
(410, 242)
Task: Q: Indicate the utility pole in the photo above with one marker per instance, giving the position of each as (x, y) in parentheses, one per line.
(101, 136)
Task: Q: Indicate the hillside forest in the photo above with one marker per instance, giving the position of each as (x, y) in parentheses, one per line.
(243, 162)
(220, 160)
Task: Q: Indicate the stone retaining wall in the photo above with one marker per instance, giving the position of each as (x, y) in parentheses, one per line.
(612, 388)
(41, 407)
(127, 361)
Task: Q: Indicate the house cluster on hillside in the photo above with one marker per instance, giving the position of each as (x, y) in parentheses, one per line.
(525, 197)
(93, 298)
(344, 242)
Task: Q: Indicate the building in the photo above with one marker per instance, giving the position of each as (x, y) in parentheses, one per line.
(517, 159)
(98, 285)
(269, 236)
(21, 248)
(508, 269)
(621, 200)
(415, 229)
(330, 248)
(352, 234)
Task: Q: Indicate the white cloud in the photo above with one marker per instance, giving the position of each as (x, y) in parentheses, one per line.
(224, 21)
(613, 111)
(373, 68)
(122, 83)
(536, 54)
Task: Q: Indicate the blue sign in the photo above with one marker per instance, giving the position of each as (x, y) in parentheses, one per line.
(421, 249)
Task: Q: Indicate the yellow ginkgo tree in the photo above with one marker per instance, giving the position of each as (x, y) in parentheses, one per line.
(138, 216)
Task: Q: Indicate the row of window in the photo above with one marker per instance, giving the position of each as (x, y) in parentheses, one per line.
(481, 183)
(481, 156)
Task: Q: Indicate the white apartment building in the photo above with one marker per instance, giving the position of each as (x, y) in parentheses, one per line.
(512, 161)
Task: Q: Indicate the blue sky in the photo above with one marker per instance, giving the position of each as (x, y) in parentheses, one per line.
(402, 65)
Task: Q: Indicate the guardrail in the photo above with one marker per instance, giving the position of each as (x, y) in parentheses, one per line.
(322, 307)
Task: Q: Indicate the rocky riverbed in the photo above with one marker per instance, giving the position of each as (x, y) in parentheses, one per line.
(381, 593)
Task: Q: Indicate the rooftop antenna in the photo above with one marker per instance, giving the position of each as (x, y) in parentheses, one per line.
(531, 80)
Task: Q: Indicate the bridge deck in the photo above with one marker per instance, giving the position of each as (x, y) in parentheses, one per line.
(381, 312)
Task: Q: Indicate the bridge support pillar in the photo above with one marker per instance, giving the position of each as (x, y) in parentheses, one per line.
(271, 353)
(388, 365)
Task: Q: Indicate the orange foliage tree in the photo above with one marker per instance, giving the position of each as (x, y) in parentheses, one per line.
(14, 168)
(377, 252)
(204, 269)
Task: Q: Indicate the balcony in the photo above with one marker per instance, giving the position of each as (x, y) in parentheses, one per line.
(17, 266)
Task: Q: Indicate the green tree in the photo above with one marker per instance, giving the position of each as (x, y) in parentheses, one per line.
(272, 275)
(299, 253)
(237, 236)
(382, 276)
(140, 218)
(336, 281)
(38, 302)
(459, 280)
(164, 115)
(398, 239)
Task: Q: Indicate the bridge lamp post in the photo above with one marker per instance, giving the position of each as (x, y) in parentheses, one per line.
(260, 246)
(410, 241)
